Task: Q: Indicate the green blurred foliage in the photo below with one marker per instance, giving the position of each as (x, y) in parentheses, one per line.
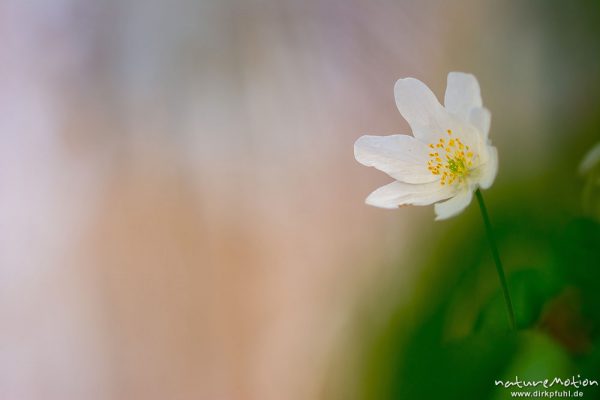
(557, 305)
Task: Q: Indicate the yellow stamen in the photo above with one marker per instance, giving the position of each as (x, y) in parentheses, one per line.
(453, 165)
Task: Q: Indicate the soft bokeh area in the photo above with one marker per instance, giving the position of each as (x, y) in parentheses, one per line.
(182, 217)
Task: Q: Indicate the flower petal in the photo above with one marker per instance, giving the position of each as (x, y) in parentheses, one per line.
(481, 118)
(421, 109)
(427, 118)
(397, 194)
(590, 159)
(454, 206)
(402, 157)
(489, 169)
(462, 94)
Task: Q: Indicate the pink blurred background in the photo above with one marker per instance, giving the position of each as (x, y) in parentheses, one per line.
(181, 214)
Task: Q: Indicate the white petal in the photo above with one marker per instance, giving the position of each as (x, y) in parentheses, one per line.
(402, 157)
(591, 158)
(481, 118)
(420, 108)
(489, 169)
(462, 94)
(397, 194)
(427, 118)
(454, 206)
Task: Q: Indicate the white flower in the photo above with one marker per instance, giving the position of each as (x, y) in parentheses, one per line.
(449, 155)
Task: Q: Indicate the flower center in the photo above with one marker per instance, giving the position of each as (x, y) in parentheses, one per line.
(451, 159)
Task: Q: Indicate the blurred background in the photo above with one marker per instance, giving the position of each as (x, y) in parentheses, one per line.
(182, 217)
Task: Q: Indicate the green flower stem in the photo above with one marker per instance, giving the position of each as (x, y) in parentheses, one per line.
(496, 256)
